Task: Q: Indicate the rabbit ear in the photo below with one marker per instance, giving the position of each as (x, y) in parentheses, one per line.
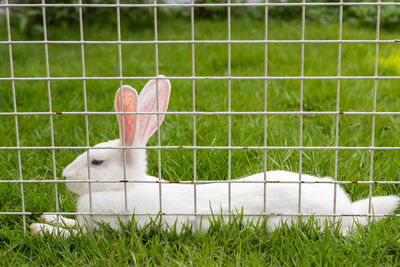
(129, 100)
(148, 103)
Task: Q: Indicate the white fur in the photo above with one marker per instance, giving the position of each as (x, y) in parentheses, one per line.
(143, 198)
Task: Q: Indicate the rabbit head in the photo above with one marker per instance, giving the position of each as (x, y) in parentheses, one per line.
(135, 130)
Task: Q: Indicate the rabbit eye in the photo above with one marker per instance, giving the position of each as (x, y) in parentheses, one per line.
(97, 162)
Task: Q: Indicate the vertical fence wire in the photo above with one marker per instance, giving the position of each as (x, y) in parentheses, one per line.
(194, 109)
(157, 104)
(85, 104)
(122, 105)
(10, 52)
(53, 156)
(303, 25)
(371, 166)
(335, 176)
(265, 104)
(229, 110)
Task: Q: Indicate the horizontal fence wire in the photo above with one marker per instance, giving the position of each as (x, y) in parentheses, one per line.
(199, 214)
(229, 77)
(26, 113)
(396, 41)
(208, 42)
(194, 182)
(206, 147)
(229, 4)
(207, 78)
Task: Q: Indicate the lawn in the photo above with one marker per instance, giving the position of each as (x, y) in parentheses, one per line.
(222, 244)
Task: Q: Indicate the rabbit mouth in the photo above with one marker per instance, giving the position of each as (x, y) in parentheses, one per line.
(78, 186)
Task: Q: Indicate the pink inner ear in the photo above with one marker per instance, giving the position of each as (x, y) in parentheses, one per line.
(148, 103)
(130, 105)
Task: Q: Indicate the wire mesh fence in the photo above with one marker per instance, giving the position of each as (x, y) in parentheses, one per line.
(6, 7)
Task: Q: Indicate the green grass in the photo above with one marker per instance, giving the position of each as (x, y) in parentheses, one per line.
(223, 244)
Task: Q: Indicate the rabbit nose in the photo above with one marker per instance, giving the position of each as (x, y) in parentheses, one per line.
(64, 174)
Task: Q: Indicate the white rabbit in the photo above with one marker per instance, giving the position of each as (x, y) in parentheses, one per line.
(143, 198)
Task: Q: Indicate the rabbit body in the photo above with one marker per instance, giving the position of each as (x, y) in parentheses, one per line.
(109, 162)
(281, 198)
